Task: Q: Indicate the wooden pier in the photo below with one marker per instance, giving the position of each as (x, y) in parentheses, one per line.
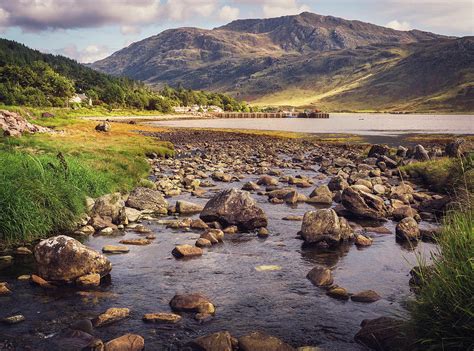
(270, 115)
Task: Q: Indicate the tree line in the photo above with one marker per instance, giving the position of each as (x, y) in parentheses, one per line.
(31, 78)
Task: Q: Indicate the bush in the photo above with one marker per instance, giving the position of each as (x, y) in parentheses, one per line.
(40, 195)
(443, 313)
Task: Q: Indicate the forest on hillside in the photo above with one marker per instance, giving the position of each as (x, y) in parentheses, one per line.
(31, 78)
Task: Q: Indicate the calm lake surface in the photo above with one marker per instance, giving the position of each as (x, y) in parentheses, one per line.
(352, 123)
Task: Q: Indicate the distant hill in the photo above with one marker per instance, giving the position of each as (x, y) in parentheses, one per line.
(308, 60)
(29, 77)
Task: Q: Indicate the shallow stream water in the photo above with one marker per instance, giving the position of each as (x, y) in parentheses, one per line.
(283, 302)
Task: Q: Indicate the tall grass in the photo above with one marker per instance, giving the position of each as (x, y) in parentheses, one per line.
(43, 194)
(443, 313)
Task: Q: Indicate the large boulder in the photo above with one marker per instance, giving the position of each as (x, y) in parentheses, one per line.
(325, 225)
(142, 198)
(363, 204)
(64, 259)
(13, 124)
(109, 208)
(234, 207)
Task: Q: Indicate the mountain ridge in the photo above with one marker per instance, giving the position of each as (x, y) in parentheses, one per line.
(258, 58)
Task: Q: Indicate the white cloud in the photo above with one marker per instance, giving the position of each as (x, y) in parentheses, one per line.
(129, 30)
(395, 24)
(88, 54)
(228, 13)
(276, 8)
(180, 10)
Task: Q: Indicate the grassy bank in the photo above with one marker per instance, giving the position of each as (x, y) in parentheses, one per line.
(42, 193)
(445, 175)
(443, 313)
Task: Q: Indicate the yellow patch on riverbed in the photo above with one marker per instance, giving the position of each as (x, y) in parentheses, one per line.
(265, 268)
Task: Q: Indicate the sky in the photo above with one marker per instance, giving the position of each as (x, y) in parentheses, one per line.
(89, 30)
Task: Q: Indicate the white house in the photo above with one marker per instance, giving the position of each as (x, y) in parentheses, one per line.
(80, 99)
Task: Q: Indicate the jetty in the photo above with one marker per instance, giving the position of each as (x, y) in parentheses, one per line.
(270, 115)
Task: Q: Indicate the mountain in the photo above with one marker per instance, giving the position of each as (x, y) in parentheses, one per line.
(307, 60)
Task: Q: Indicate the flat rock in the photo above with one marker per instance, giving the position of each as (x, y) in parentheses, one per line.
(338, 293)
(165, 318)
(185, 207)
(110, 316)
(138, 242)
(181, 251)
(366, 296)
(147, 199)
(14, 319)
(88, 280)
(115, 249)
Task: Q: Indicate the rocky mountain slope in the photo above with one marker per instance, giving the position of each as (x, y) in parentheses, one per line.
(308, 60)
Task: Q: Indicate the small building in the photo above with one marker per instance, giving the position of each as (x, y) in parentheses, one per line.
(80, 99)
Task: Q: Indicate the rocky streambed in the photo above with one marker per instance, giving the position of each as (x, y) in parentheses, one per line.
(323, 237)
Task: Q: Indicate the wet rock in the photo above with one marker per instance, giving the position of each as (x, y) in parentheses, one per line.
(128, 342)
(24, 277)
(258, 341)
(140, 228)
(4, 290)
(103, 127)
(132, 214)
(364, 204)
(164, 318)
(435, 205)
(337, 183)
(234, 207)
(198, 224)
(403, 212)
(22, 251)
(41, 282)
(320, 276)
(201, 242)
(220, 341)
(420, 153)
(182, 251)
(76, 340)
(84, 325)
(115, 249)
(263, 232)
(138, 242)
(324, 225)
(231, 229)
(147, 199)
(379, 189)
(106, 231)
(109, 207)
(366, 296)
(85, 230)
(250, 186)
(110, 316)
(382, 334)
(361, 240)
(267, 180)
(221, 177)
(377, 150)
(185, 207)
(338, 293)
(88, 280)
(192, 303)
(407, 230)
(293, 218)
(14, 319)
(64, 259)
